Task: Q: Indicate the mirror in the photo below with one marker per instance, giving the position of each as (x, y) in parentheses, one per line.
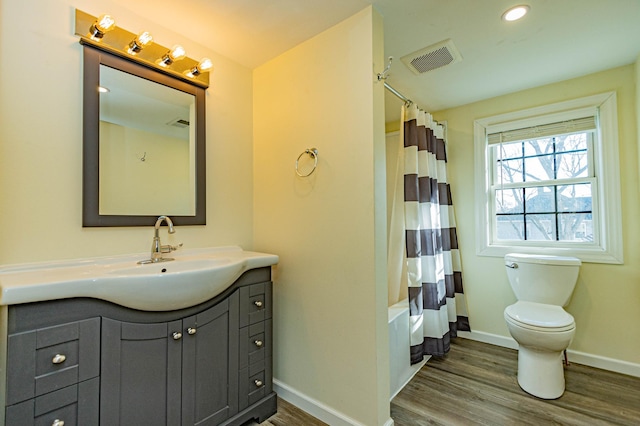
(143, 145)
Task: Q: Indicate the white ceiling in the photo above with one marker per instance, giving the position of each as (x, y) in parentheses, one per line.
(558, 40)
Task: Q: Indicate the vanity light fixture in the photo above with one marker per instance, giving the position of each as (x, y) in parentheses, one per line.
(103, 89)
(516, 12)
(102, 25)
(137, 44)
(140, 48)
(175, 54)
(204, 65)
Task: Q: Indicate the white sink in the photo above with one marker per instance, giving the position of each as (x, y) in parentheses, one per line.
(195, 276)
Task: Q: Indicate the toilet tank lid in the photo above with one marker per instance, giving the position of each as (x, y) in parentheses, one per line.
(541, 258)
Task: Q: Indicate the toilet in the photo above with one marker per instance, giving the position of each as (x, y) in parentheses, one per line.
(543, 329)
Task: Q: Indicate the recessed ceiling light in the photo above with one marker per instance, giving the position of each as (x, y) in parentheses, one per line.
(515, 13)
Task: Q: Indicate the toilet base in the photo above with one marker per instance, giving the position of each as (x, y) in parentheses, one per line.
(540, 373)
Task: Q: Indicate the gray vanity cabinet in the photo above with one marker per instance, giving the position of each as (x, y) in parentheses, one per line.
(53, 375)
(174, 373)
(89, 362)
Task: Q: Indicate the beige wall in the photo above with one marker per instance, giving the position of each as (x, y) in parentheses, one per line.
(41, 139)
(330, 319)
(605, 302)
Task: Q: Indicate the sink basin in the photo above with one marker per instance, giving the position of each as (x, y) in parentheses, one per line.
(195, 276)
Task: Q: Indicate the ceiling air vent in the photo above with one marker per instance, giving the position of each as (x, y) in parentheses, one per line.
(432, 57)
(179, 122)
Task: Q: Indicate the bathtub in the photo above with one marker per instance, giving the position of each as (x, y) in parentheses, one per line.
(400, 369)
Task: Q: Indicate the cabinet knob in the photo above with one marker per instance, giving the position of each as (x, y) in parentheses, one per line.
(258, 303)
(258, 343)
(57, 422)
(191, 330)
(177, 335)
(58, 359)
(258, 383)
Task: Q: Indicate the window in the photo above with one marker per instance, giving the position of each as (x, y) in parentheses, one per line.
(547, 181)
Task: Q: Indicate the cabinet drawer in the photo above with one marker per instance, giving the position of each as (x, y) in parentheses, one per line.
(47, 359)
(255, 343)
(255, 303)
(74, 405)
(255, 383)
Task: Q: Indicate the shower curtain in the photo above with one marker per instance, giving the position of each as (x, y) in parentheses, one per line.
(431, 261)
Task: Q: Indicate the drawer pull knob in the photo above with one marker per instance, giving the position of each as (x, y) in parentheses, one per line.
(191, 330)
(258, 303)
(58, 359)
(177, 335)
(57, 422)
(258, 383)
(258, 343)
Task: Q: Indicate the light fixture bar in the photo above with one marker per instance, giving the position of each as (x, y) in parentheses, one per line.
(118, 41)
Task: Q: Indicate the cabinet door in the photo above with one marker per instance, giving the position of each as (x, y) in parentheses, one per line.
(210, 357)
(140, 373)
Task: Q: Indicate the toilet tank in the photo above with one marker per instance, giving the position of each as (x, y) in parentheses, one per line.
(541, 278)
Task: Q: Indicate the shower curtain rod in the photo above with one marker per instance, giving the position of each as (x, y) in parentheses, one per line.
(398, 94)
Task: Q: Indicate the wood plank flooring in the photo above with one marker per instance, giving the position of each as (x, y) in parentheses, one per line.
(476, 384)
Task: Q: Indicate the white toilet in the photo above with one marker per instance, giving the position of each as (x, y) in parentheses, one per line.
(543, 330)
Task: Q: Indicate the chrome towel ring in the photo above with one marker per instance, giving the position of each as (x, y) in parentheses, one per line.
(313, 153)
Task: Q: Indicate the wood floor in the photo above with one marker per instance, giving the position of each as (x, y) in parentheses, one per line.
(475, 384)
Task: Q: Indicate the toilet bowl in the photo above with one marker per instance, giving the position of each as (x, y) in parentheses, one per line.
(537, 321)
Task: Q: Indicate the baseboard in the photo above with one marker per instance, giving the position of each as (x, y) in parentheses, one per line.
(597, 361)
(316, 408)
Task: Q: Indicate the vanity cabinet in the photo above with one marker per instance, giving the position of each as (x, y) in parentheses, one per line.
(205, 365)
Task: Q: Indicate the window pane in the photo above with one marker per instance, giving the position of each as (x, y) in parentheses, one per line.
(510, 227)
(575, 198)
(576, 227)
(538, 168)
(573, 164)
(509, 201)
(509, 171)
(577, 141)
(538, 147)
(540, 199)
(541, 227)
(509, 150)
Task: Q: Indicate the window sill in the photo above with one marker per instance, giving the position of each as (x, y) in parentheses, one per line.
(586, 255)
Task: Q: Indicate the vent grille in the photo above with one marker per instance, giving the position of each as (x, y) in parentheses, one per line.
(432, 57)
(179, 122)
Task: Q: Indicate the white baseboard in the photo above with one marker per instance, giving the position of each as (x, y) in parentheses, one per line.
(316, 408)
(597, 361)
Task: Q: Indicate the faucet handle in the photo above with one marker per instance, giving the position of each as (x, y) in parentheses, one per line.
(169, 248)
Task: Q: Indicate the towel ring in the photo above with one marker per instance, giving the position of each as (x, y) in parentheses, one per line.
(313, 153)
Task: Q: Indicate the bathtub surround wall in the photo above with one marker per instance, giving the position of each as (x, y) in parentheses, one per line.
(331, 322)
(606, 297)
(41, 139)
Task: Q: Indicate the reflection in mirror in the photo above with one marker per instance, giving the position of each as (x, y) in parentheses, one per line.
(146, 150)
(143, 145)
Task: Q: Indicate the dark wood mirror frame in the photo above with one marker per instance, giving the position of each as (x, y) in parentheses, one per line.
(91, 216)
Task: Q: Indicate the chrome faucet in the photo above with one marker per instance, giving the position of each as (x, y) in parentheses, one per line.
(157, 249)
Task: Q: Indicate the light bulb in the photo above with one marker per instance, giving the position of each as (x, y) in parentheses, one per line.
(143, 39)
(103, 24)
(205, 65)
(176, 53)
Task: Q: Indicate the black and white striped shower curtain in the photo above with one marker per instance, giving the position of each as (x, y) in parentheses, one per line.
(436, 296)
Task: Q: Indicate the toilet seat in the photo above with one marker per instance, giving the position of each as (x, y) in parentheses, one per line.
(539, 317)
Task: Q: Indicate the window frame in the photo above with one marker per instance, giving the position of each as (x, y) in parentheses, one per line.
(606, 193)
